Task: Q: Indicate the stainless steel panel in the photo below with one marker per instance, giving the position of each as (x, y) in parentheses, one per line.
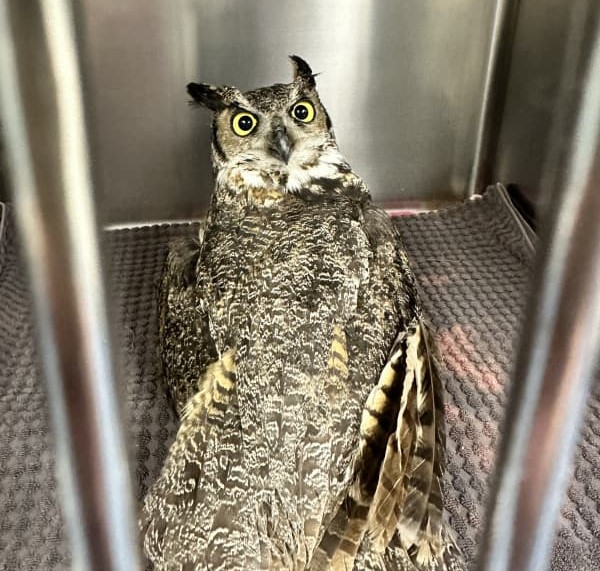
(402, 80)
(47, 147)
(493, 95)
(3, 185)
(3, 189)
(552, 41)
(561, 338)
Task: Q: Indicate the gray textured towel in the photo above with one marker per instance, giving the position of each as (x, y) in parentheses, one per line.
(472, 264)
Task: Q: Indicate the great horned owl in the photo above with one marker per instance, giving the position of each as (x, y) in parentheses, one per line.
(311, 413)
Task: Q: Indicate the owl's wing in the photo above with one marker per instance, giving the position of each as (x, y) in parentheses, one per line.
(196, 515)
(393, 513)
(186, 515)
(408, 497)
(186, 345)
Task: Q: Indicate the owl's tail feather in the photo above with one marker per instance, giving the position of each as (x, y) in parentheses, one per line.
(408, 498)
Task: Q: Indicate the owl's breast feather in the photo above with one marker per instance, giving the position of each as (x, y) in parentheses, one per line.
(305, 257)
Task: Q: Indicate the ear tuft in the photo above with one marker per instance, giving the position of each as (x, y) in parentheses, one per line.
(211, 96)
(302, 71)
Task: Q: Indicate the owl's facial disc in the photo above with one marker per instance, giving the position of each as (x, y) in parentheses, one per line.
(277, 137)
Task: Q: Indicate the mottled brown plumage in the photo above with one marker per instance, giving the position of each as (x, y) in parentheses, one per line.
(311, 429)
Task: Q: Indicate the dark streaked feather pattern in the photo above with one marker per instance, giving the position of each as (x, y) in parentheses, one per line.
(408, 500)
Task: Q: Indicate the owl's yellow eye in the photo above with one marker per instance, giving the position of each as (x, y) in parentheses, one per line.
(243, 123)
(303, 111)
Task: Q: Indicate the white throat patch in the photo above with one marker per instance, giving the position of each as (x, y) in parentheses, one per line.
(258, 170)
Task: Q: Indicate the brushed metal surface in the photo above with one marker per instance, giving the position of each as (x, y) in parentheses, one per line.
(552, 42)
(493, 95)
(42, 108)
(402, 80)
(561, 338)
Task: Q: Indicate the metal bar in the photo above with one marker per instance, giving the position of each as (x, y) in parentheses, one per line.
(44, 121)
(493, 95)
(559, 350)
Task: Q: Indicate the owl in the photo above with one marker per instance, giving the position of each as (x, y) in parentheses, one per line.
(312, 433)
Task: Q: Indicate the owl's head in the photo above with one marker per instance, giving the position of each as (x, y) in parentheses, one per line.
(276, 137)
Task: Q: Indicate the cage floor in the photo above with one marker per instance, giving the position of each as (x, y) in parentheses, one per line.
(472, 264)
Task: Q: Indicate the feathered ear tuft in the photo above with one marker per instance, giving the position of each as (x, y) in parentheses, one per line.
(302, 71)
(212, 96)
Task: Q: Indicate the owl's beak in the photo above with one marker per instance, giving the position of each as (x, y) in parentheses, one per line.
(280, 145)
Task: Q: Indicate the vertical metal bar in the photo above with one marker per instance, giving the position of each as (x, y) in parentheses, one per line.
(493, 94)
(559, 351)
(44, 121)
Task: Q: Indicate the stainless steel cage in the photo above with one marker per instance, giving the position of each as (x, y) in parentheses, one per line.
(52, 62)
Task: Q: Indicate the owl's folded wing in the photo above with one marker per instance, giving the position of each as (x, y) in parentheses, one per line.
(186, 516)
(408, 497)
(186, 345)
(196, 515)
(394, 508)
